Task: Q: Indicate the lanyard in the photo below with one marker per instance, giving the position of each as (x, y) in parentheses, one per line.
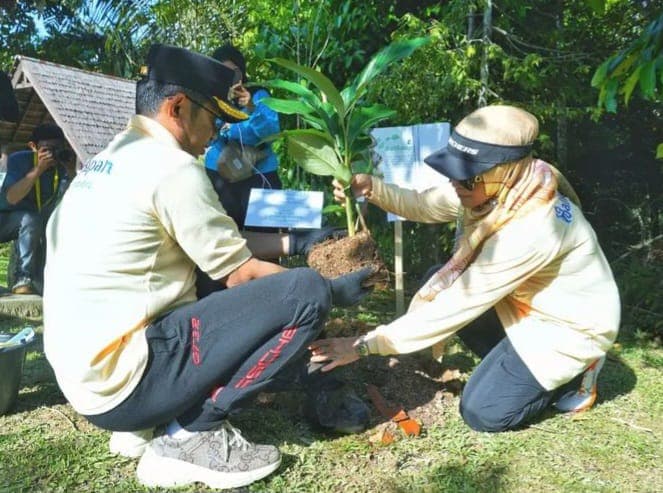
(56, 180)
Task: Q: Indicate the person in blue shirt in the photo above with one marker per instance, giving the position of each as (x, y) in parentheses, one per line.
(262, 123)
(34, 182)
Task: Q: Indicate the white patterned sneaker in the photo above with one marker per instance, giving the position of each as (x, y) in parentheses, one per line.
(130, 443)
(576, 401)
(220, 458)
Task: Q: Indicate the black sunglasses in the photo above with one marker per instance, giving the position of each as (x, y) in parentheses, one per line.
(218, 123)
(470, 183)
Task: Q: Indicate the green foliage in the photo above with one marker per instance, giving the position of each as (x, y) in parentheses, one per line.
(640, 278)
(200, 25)
(18, 28)
(636, 65)
(597, 5)
(340, 120)
(329, 36)
(541, 56)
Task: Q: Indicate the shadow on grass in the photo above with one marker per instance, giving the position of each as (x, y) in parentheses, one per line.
(616, 379)
(454, 479)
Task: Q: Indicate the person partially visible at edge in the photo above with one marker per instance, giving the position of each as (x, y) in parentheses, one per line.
(36, 179)
(262, 123)
(528, 288)
(8, 105)
(123, 245)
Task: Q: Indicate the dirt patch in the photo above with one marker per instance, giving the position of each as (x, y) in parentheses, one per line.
(416, 383)
(420, 386)
(335, 257)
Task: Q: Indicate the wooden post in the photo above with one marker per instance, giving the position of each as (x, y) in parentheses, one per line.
(398, 267)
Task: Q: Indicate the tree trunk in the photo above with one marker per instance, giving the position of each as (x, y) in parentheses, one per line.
(562, 134)
(487, 28)
(562, 120)
(470, 22)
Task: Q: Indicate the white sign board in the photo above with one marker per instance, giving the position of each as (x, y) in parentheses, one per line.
(403, 150)
(284, 209)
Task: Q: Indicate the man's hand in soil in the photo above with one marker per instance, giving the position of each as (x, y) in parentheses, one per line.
(301, 241)
(338, 351)
(349, 289)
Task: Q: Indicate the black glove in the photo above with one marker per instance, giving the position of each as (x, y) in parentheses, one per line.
(347, 290)
(301, 241)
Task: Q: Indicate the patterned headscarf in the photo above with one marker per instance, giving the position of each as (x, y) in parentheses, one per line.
(514, 190)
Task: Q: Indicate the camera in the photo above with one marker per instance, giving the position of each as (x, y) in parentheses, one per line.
(61, 154)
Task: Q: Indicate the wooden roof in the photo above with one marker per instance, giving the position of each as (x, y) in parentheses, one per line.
(89, 107)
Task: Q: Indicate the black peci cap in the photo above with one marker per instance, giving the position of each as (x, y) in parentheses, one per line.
(464, 158)
(8, 104)
(200, 73)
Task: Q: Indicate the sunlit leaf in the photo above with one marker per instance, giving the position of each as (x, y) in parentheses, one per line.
(600, 74)
(288, 106)
(365, 118)
(611, 95)
(659, 151)
(620, 64)
(648, 79)
(391, 53)
(630, 83)
(597, 6)
(309, 96)
(318, 79)
(314, 122)
(313, 151)
(333, 209)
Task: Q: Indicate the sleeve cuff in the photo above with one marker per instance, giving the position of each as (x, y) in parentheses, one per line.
(371, 339)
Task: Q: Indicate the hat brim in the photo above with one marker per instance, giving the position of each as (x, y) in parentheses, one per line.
(454, 166)
(227, 112)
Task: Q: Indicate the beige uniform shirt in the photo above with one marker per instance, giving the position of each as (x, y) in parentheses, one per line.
(544, 273)
(122, 248)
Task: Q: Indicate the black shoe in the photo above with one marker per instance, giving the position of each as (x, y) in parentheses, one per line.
(331, 405)
(338, 410)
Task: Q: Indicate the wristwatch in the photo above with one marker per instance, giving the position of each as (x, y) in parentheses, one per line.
(361, 347)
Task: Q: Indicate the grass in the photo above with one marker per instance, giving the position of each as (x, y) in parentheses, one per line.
(616, 447)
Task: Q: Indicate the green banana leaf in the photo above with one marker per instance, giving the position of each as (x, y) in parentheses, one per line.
(391, 53)
(325, 118)
(313, 151)
(363, 119)
(288, 106)
(318, 79)
(300, 90)
(315, 122)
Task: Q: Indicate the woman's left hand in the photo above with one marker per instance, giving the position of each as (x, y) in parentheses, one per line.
(338, 351)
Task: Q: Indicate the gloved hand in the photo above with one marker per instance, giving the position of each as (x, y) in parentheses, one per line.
(301, 241)
(347, 290)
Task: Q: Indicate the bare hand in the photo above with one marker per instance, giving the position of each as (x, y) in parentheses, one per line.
(361, 184)
(242, 96)
(45, 159)
(338, 351)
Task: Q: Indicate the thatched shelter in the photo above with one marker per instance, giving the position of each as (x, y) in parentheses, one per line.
(89, 107)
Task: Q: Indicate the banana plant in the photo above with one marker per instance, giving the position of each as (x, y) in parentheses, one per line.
(338, 121)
